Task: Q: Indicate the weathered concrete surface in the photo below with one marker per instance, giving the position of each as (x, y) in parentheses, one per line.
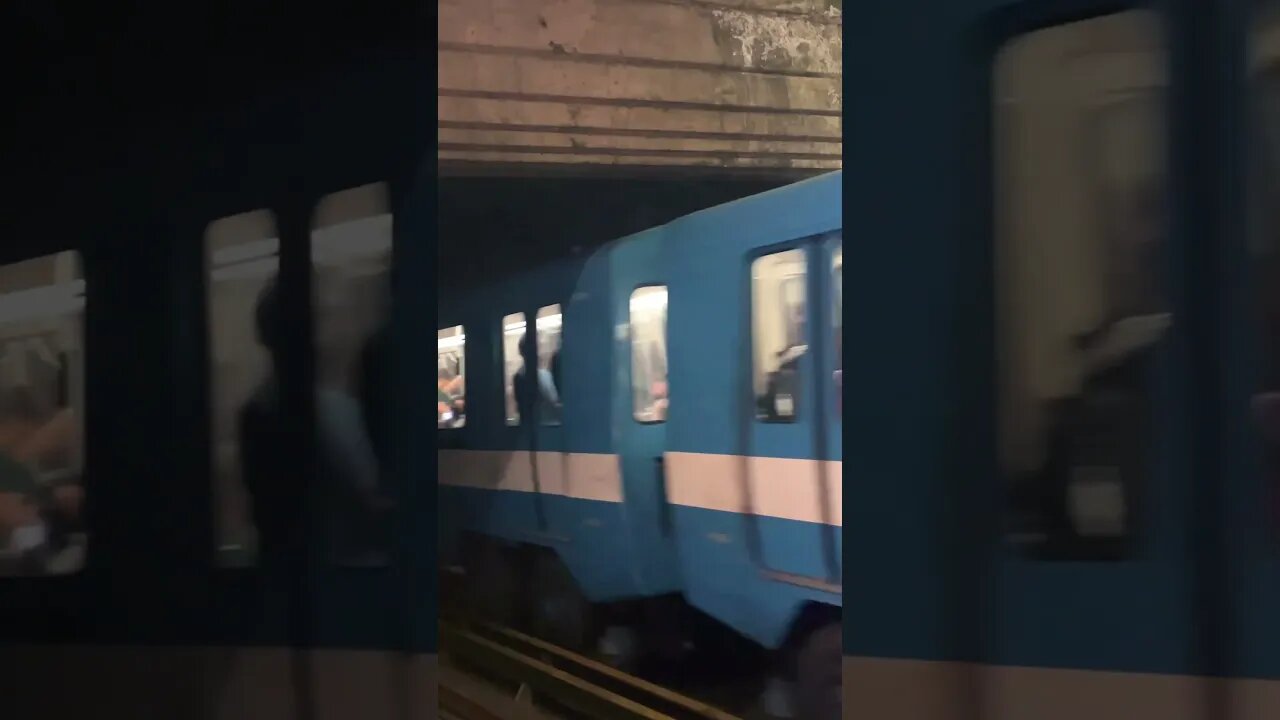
(710, 83)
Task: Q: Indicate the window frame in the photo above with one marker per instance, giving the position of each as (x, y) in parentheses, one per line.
(81, 460)
(831, 243)
(805, 245)
(537, 350)
(502, 369)
(463, 328)
(666, 334)
(1006, 27)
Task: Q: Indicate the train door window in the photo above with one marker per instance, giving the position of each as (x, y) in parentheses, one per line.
(451, 371)
(548, 326)
(649, 353)
(513, 329)
(41, 415)
(242, 258)
(778, 289)
(351, 237)
(1080, 246)
(837, 318)
(1264, 240)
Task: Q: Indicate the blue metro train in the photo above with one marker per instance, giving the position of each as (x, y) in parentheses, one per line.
(1062, 406)
(683, 435)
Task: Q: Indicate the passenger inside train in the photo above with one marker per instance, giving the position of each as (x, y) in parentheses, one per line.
(544, 394)
(451, 406)
(40, 495)
(778, 319)
(354, 507)
(649, 354)
(450, 395)
(782, 389)
(1082, 499)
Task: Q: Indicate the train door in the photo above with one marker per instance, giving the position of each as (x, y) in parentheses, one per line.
(1094, 573)
(547, 435)
(641, 401)
(792, 485)
(1249, 514)
(833, 392)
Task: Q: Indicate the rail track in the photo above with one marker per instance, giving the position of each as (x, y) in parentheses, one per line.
(553, 682)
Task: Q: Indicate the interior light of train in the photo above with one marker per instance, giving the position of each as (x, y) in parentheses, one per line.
(655, 299)
(244, 252)
(544, 323)
(42, 302)
(367, 237)
(780, 269)
(250, 269)
(451, 342)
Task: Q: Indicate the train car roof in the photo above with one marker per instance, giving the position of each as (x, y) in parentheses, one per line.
(794, 197)
(782, 196)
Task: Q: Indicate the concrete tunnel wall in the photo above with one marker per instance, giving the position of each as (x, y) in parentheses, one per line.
(685, 83)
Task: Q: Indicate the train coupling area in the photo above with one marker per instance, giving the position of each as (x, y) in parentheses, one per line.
(550, 683)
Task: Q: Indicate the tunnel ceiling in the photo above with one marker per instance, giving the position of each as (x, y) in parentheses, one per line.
(752, 84)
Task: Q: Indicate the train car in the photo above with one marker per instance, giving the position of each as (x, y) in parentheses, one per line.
(682, 436)
(1062, 311)
(135, 580)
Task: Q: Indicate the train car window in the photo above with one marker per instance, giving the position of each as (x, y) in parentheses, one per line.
(837, 315)
(351, 252)
(513, 328)
(41, 416)
(451, 377)
(548, 324)
(778, 288)
(649, 354)
(242, 258)
(1264, 241)
(1080, 246)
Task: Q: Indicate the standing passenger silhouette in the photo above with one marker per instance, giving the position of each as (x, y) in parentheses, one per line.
(346, 470)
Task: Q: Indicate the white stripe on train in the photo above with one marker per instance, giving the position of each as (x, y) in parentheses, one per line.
(787, 488)
(888, 689)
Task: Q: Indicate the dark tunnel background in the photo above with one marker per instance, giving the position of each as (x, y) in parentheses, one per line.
(491, 227)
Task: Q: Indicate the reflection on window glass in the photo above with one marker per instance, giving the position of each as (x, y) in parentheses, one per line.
(1264, 240)
(451, 368)
(351, 266)
(1079, 200)
(512, 335)
(778, 288)
(41, 411)
(548, 325)
(837, 315)
(242, 256)
(649, 353)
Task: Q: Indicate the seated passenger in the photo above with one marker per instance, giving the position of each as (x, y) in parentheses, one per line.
(22, 529)
(446, 403)
(658, 391)
(779, 400)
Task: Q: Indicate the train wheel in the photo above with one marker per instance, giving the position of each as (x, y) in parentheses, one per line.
(491, 583)
(818, 675)
(561, 613)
